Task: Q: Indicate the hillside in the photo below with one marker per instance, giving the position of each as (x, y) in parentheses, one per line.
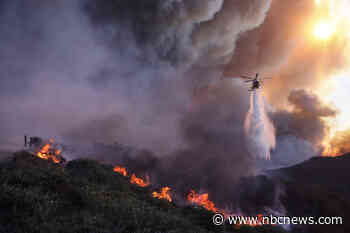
(85, 196)
(318, 187)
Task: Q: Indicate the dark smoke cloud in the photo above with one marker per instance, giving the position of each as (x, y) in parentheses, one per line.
(128, 71)
(79, 80)
(307, 103)
(301, 130)
(113, 70)
(59, 76)
(185, 32)
(215, 159)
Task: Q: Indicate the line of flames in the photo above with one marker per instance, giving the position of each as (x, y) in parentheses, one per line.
(164, 194)
(193, 197)
(133, 178)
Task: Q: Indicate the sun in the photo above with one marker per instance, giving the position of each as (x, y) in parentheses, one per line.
(323, 30)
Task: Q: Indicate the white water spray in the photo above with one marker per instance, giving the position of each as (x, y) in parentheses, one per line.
(260, 133)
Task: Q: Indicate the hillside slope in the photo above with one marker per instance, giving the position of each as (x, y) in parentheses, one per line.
(85, 196)
(319, 187)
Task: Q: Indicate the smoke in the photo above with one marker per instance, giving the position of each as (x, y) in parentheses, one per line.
(92, 73)
(259, 130)
(300, 131)
(146, 74)
(339, 144)
(106, 71)
(200, 33)
(284, 47)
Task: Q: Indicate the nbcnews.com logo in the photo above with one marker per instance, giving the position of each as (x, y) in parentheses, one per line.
(219, 219)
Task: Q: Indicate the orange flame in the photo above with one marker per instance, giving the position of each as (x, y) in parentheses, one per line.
(337, 144)
(47, 152)
(138, 181)
(164, 194)
(121, 170)
(334, 150)
(202, 200)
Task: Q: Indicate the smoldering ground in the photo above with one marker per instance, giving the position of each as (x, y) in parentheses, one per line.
(145, 74)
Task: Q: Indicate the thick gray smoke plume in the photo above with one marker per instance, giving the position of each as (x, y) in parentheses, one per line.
(260, 132)
(196, 32)
(301, 129)
(113, 70)
(99, 71)
(95, 72)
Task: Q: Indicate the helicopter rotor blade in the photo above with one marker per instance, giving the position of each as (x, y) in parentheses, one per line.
(246, 77)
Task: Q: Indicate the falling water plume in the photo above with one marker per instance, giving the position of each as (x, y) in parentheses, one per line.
(259, 131)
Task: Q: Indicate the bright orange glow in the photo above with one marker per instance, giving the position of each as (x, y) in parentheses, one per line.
(333, 19)
(138, 181)
(201, 200)
(47, 152)
(339, 144)
(335, 92)
(120, 170)
(193, 197)
(335, 22)
(164, 194)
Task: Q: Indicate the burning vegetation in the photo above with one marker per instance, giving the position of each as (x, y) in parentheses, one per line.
(164, 194)
(121, 170)
(194, 198)
(338, 145)
(49, 152)
(201, 200)
(133, 179)
(139, 181)
(91, 185)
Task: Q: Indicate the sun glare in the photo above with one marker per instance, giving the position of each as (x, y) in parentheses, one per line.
(323, 30)
(339, 98)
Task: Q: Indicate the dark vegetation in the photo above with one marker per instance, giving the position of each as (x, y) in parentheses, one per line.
(85, 196)
(318, 187)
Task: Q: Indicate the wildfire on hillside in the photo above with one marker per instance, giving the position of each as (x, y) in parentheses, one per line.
(164, 194)
(121, 170)
(338, 145)
(133, 179)
(138, 181)
(202, 200)
(193, 197)
(49, 152)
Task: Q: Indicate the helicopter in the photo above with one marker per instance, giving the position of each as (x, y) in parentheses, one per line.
(256, 82)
